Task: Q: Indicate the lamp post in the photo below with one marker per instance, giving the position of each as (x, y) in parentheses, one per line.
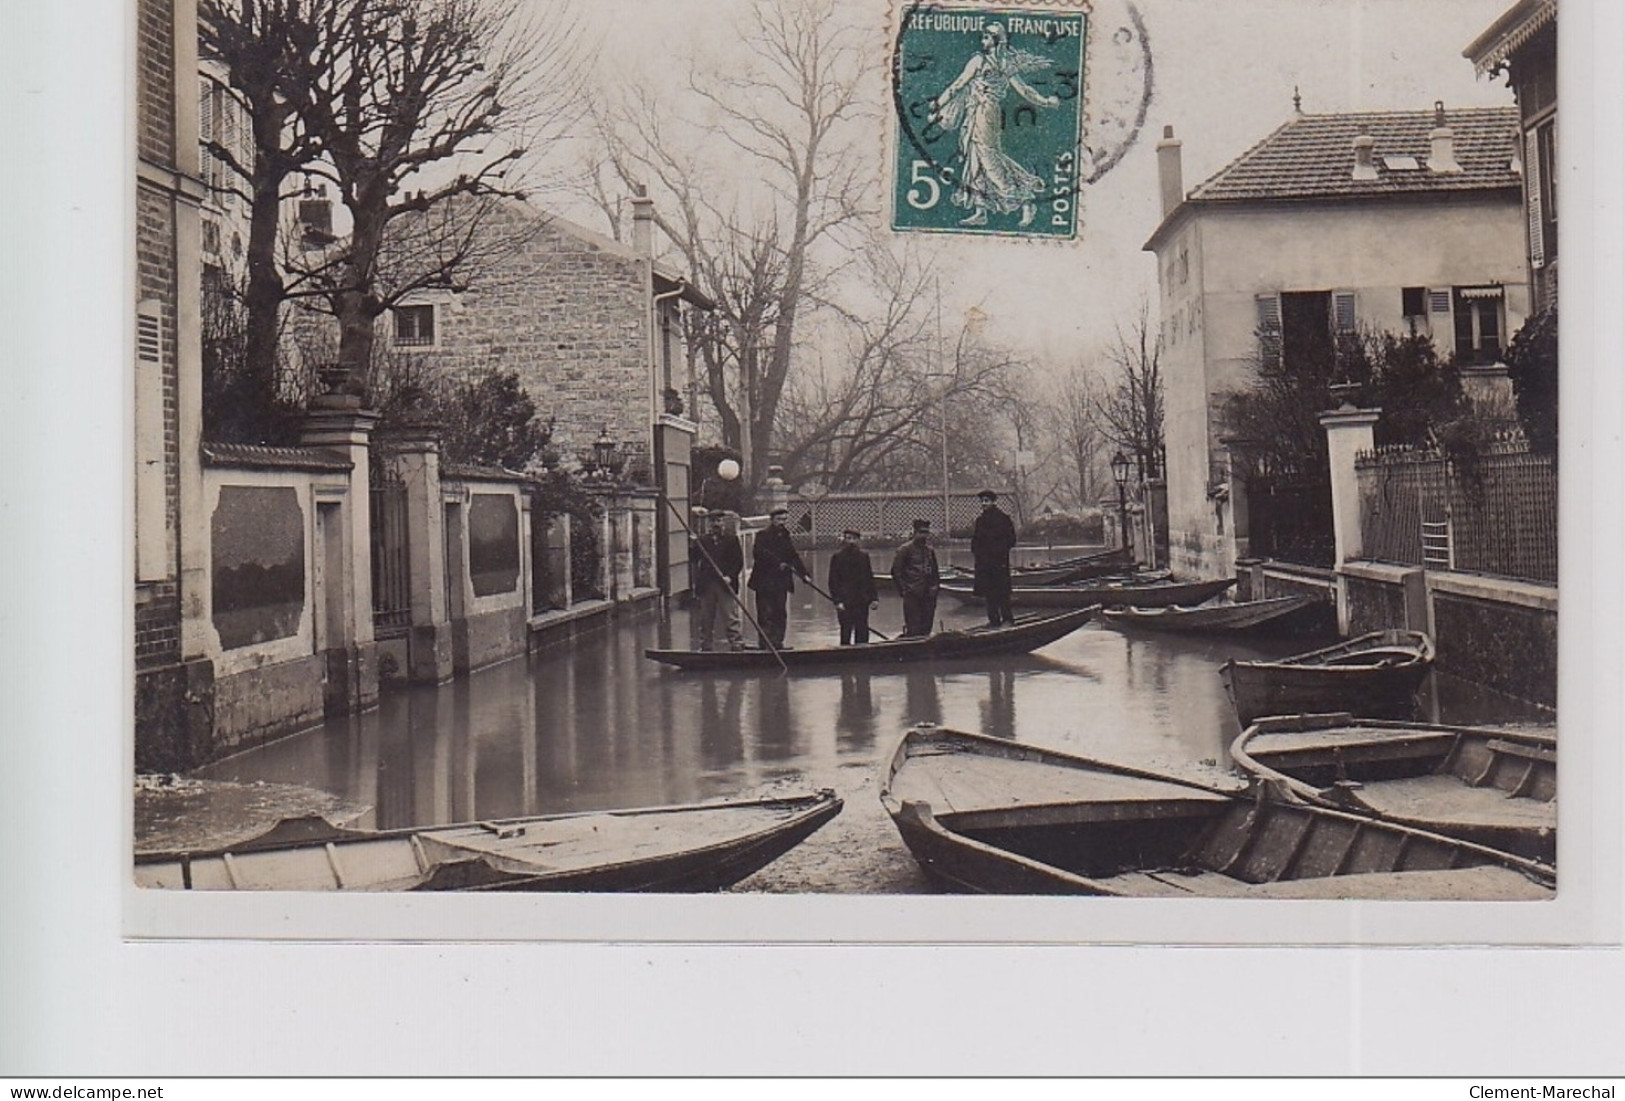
(1049, 530)
(1120, 469)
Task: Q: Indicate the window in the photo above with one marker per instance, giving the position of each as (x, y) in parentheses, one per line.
(1540, 169)
(414, 326)
(1299, 328)
(1414, 308)
(1478, 325)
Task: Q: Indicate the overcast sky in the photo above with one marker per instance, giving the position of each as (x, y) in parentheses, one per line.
(1224, 73)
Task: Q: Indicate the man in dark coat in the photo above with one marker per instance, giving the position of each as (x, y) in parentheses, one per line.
(774, 567)
(991, 542)
(715, 561)
(914, 572)
(852, 586)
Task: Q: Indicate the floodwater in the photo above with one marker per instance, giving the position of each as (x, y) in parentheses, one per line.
(592, 724)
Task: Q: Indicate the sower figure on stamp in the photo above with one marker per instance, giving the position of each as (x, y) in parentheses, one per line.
(852, 585)
(774, 567)
(991, 542)
(715, 560)
(914, 572)
(974, 105)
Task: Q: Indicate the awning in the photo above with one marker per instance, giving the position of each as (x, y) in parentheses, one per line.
(1480, 292)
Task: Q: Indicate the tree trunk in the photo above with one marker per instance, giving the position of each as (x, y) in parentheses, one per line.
(262, 297)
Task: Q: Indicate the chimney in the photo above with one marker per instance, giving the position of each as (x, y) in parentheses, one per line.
(643, 222)
(1170, 171)
(1364, 167)
(315, 217)
(1442, 159)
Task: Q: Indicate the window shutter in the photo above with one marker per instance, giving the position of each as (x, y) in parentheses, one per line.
(1343, 317)
(205, 130)
(1531, 186)
(151, 504)
(1269, 329)
(1439, 301)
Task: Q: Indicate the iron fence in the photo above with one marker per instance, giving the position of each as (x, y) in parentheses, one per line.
(391, 570)
(1497, 516)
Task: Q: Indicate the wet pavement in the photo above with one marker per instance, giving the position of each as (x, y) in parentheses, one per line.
(592, 725)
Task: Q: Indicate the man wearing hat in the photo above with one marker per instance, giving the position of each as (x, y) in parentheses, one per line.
(852, 585)
(715, 561)
(774, 567)
(991, 541)
(914, 572)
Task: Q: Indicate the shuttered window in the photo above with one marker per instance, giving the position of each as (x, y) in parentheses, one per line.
(1268, 307)
(151, 505)
(1532, 190)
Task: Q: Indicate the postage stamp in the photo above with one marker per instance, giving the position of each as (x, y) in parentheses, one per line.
(989, 111)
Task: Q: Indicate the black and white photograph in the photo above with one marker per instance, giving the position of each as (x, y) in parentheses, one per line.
(857, 472)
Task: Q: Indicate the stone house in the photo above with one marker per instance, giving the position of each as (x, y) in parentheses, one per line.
(1397, 221)
(593, 327)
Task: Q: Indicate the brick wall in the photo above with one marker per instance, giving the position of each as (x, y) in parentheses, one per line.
(571, 317)
(155, 81)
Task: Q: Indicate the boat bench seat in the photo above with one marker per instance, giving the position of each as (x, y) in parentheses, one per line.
(1442, 799)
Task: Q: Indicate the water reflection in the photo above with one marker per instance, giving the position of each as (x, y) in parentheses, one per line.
(594, 724)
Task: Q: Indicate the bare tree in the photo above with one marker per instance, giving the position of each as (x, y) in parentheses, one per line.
(1075, 426)
(260, 44)
(784, 101)
(1131, 408)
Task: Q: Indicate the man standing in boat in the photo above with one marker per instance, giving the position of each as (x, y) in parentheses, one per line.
(852, 585)
(991, 541)
(716, 560)
(774, 567)
(914, 572)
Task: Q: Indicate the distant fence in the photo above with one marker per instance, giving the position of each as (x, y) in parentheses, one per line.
(1418, 508)
(889, 514)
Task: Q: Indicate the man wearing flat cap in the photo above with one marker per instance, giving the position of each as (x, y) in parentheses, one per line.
(852, 585)
(774, 567)
(715, 561)
(991, 541)
(914, 572)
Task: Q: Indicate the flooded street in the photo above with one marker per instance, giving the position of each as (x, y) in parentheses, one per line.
(592, 724)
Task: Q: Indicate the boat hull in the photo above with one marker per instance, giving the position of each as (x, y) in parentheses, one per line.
(1493, 787)
(1157, 595)
(1022, 637)
(986, 816)
(1376, 676)
(679, 849)
(1248, 616)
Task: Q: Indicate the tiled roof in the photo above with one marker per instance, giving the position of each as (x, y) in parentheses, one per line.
(262, 457)
(1312, 157)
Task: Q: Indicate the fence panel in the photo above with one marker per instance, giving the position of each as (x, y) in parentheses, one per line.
(1498, 517)
(391, 570)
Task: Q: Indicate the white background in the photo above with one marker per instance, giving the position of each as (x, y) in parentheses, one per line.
(77, 999)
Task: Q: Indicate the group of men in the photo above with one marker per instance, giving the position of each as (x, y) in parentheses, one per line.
(717, 559)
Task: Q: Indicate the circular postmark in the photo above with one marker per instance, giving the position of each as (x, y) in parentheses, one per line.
(1005, 111)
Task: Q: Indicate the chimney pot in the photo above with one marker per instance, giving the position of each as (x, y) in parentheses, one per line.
(643, 221)
(1442, 155)
(1365, 167)
(1170, 171)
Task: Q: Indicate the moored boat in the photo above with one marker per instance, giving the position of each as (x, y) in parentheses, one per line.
(1495, 787)
(686, 848)
(1219, 617)
(990, 816)
(1110, 594)
(1028, 633)
(1375, 675)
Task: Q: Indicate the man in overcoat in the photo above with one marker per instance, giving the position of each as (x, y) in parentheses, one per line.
(914, 572)
(716, 560)
(775, 565)
(991, 541)
(852, 585)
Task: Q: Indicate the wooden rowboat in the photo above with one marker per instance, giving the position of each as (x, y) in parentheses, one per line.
(695, 847)
(1494, 787)
(1112, 594)
(1218, 618)
(1025, 635)
(1375, 675)
(995, 817)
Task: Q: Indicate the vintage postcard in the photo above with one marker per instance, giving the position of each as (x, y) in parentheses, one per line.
(598, 465)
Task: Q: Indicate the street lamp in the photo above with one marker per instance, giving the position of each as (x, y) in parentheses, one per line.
(603, 451)
(1049, 529)
(1120, 469)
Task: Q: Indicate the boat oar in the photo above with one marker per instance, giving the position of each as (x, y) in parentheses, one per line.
(813, 585)
(761, 634)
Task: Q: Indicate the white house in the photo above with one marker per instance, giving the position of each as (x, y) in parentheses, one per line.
(1397, 220)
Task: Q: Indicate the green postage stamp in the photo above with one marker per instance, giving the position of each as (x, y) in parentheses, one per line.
(989, 120)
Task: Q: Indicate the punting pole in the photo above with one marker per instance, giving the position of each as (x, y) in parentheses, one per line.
(872, 630)
(761, 634)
